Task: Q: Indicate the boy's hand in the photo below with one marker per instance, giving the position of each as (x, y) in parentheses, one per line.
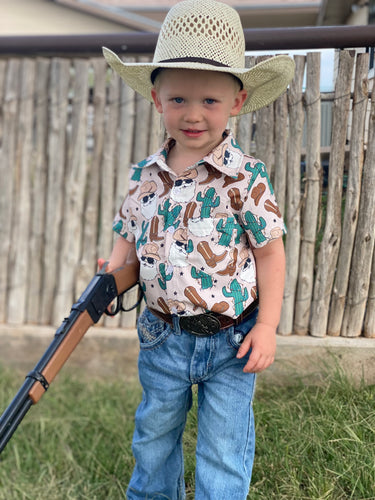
(262, 342)
(101, 263)
(112, 305)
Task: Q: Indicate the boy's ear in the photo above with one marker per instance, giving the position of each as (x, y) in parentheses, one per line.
(238, 103)
(155, 98)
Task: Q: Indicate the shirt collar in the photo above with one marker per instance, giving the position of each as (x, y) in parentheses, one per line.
(227, 157)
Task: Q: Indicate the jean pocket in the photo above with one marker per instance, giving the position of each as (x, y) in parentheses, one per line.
(152, 331)
(234, 337)
(236, 334)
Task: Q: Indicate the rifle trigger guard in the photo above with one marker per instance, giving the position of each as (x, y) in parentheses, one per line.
(117, 309)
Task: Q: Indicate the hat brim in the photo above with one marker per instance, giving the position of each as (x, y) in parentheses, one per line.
(264, 82)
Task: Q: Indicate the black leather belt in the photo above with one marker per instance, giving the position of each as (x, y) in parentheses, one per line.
(207, 324)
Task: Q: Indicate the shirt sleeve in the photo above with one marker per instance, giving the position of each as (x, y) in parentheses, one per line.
(122, 223)
(125, 223)
(260, 214)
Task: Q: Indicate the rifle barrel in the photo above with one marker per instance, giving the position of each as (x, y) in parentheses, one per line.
(10, 425)
(99, 294)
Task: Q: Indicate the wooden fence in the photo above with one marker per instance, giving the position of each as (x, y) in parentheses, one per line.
(69, 130)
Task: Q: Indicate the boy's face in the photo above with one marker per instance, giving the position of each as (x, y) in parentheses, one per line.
(196, 106)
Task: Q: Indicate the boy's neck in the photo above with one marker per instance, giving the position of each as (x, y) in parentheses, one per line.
(180, 161)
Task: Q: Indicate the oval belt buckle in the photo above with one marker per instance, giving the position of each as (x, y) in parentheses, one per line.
(201, 325)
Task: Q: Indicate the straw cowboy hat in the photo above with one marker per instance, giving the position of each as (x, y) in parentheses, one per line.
(207, 35)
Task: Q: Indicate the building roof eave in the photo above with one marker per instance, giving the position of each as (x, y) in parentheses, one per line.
(116, 14)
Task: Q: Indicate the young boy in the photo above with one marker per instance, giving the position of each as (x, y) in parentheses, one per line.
(202, 219)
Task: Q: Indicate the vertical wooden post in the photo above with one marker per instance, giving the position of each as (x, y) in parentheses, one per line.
(19, 250)
(292, 242)
(58, 115)
(312, 196)
(75, 183)
(107, 200)
(329, 248)
(369, 323)
(38, 188)
(7, 166)
(360, 272)
(281, 140)
(3, 72)
(353, 191)
(107, 170)
(264, 135)
(90, 219)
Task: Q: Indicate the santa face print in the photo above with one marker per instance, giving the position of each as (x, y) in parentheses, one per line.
(148, 268)
(149, 205)
(248, 271)
(178, 254)
(133, 226)
(183, 190)
(231, 159)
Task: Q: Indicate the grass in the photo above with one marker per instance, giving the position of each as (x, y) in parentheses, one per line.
(313, 442)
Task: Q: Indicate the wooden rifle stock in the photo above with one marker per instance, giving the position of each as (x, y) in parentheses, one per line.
(98, 296)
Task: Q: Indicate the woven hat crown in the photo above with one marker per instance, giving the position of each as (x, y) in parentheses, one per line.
(202, 29)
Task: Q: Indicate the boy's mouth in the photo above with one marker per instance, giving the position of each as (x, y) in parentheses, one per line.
(192, 132)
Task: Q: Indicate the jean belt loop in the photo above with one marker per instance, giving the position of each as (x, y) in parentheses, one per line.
(176, 324)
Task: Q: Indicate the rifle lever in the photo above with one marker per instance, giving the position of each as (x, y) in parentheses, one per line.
(120, 299)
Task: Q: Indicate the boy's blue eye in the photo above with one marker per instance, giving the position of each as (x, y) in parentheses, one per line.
(178, 100)
(210, 101)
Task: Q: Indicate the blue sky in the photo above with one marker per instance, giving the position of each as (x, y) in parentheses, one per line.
(326, 64)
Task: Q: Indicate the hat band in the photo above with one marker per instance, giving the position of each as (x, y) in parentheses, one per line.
(200, 60)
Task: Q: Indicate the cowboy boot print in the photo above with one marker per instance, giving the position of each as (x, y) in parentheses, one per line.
(167, 182)
(154, 230)
(193, 296)
(232, 265)
(189, 212)
(210, 258)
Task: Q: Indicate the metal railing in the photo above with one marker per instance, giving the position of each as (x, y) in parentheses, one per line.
(320, 37)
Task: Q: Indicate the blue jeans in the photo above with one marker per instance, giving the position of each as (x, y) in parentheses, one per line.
(171, 360)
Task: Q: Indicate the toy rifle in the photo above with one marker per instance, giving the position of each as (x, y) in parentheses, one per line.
(98, 297)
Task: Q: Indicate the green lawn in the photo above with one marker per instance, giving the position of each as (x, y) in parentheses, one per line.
(313, 442)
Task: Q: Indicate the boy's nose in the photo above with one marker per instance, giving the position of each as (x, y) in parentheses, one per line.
(193, 114)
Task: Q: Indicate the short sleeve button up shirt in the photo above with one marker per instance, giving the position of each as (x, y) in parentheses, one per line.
(194, 233)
